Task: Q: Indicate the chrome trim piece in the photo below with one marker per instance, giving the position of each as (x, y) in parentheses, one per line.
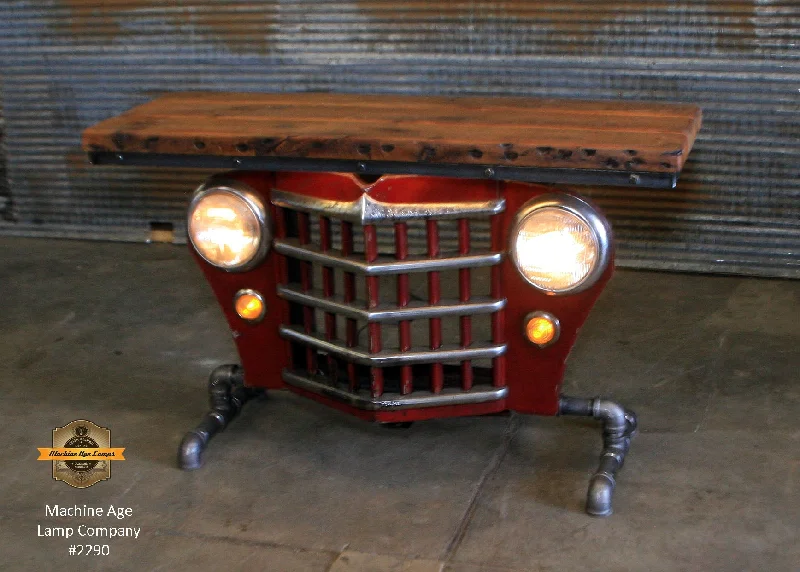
(584, 211)
(291, 247)
(417, 400)
(414, 311)
(220, 184)
(548, 316)
(390, 358)
(366, 210)
(256, 294)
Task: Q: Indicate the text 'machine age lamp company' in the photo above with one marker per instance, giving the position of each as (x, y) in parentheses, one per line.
(404, 258)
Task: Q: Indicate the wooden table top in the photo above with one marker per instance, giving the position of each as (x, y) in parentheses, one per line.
(503, 131)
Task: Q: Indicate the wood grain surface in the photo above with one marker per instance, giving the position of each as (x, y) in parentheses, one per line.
(519, 132)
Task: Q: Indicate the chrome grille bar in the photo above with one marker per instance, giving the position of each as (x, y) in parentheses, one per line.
(388, 313)
(373, 366)
(389, 401)
(383, 266)
(386, 358)
(366, 210)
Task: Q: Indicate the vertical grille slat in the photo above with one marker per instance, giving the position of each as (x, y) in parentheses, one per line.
(403, 299)
(434, 297)
(498, 318)
(304, 234)
(279, 217)
(351, 333)
(430, 287)
(464, 295)
(373, 299)
(328, 289)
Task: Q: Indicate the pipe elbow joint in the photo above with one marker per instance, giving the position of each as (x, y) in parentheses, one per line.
(612, 414)
(225, 374)
(190, 452)
(601, 490)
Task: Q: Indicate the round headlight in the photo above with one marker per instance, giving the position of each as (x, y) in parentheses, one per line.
(560, 244)
(228, 225)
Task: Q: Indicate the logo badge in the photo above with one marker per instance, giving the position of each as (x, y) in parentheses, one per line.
(81, 454)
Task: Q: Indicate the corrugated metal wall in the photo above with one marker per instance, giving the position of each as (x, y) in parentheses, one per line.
(67, 64)
(5, 198)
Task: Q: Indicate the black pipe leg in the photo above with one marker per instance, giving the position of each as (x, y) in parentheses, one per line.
(227, 395)
(619, 426)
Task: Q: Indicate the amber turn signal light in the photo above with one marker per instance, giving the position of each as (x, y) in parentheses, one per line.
(541, 328)
(249, 305)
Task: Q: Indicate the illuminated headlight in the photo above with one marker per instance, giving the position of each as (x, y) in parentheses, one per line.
(560, 244)
(228, 225)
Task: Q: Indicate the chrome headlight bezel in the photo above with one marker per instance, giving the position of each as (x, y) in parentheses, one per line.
(254, 203)
(577, 207)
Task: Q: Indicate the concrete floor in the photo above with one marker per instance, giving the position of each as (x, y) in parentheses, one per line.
(125, 335)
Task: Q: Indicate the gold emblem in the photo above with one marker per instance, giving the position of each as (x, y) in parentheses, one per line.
(81, 454)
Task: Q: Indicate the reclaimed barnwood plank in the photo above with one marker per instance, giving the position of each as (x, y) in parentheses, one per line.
(523, 132)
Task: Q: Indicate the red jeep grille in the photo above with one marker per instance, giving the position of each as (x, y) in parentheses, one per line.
(364, 280)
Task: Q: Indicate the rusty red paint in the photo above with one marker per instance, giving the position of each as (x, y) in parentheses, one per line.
(533, 375)
(251, 339)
